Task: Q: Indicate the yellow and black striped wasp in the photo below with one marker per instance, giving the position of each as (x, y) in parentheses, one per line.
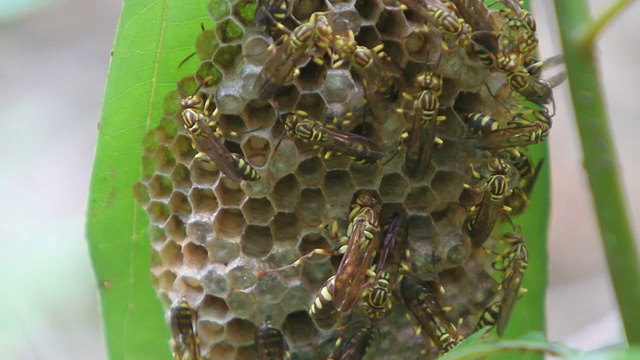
(518, 200)
(443, 18)
(270, 343)
(353, 347)
(196, 119)
(377, 72)
(322, 310)
(271, 12)
(495, 189)
(185, 342)
(521, 132)
(422, 301)
(331, 140)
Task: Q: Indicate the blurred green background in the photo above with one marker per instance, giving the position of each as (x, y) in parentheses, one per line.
(54, 57)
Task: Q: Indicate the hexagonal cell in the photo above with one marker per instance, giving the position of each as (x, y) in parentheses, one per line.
(195, 256)
(158, 212)
(148, 167)
(242, 272)
(244, 11)
(199, 231)
(228, 99)
(189, 284)
(454, 248)
(203, 172)
(337, 86)
(229, 223)
(229, 193)
(215, 281)
(296, 297)
(231, 125)
(166, 280)
(318, 272)
(285, 193)
(241, 303)
(213, 307)
(181, 178)
(273, 311)
(256, 241)
(182, 148)
(163, 159)
(218, 9)
(389, 211)
(369, 9)
(255, 49)
(223, 250)
(447, 185)
(336, 162)
(396, 51)
(141, 193)
(311, 242)
(203, 201)
(421, 229)
(171, 254)
(166, 130)
(311, 76)
(313, 104)
(257, 150)
(228, 30)
(223, 351)
(257, 211)
(420, 199)
(366, 175)
(418, 45)
(338, 185)
(209, 331)
(227, 57)
(285, 228)
(392, 24)
(302, 9)
(206, 44)
(286, 97)
(246, 352)
(368, 36)
(156, 234)
(259, 115)
(209, 70)
(312, 205)
(392, 187)
(311, 172)
(179, 204)
(299, 329)
(283, 256)
(269, 289)
(285, 157)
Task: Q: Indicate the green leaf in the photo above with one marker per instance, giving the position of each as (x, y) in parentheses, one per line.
(152, 39)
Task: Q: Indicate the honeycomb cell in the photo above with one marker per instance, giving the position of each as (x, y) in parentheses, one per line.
(229, 193)
(418, 44)
(203, 201)
(199, 231)
(229, 223)
(392, 187)
(195, 256)
(287, 97)
(223, 351)
(311, 172)
(285, 228)
(179, 204)
(392, 24)
(269, 289)
(338, 185)
(312, 103)
(318, 272)
(454, 248)
(312, 205)
(158, 212)
(302, 9)
(209, 70)
(366, 175)
(368, 36)
(213, 308)
(203, 172)
(246, 352)
(228, 99)
(239, 332)
(156, 234)
(164, 160)
(337, 86)
(296, 297)
(160, 187)
(228, 31)
(337, 162)
(256, 241)
(227, 57)
(232, 125)
(166, 280)
(171, 107)
(182, 148)
(223, 250)
(257, 150)
(420, 199)
(171, 255)
(282, 257)
(273, 311)
(181, 178)
(215, 280)
(241, 303)
(255, 49)
(218, 9)
(369, 9)
(447, 185)
(284, 158)
(285, 193)
(210, 331)
(206, 44)
(311, 242)
(299, 329)
(244, 11)
(189, 284)
(311, 76)
(257, 211)
(396, 51)
(141, 193)
(259, 115)
(148, 167)
(166, 130)
(242, 272)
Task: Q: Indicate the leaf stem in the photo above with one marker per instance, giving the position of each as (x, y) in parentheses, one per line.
(603, 20)
(600, 162)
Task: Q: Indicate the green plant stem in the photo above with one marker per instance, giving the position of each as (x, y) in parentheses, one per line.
(597, 25)
(600, 163)
(491, 348)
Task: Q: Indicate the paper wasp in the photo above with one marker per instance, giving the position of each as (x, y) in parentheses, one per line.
(488, 210)
(185, 342)
(353, 347)
(331, 140)
(196, 119)
(522, 134)
(425, 119)
(376, 69)
(422, 301)
(270, 344)
(443, 18)
(518, 200)
(322, 310)
(271, 12)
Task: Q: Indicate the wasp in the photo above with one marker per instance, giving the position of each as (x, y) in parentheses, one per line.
(515, 136)
(376, 69)
(488, 210)
(186, 344)
(480, 123)
(425, 119)
(270, 12)
(422, 301)
(353, 347)
(322, 310)
(377, 298)
(443, 18)
(282, 66)
(208, 141)
(489, 316)
(519, 198)
(270, 344)
(514, 262)
(363, 236)
(330, 139)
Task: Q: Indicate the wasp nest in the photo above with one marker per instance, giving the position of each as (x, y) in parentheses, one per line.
(265, 194)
